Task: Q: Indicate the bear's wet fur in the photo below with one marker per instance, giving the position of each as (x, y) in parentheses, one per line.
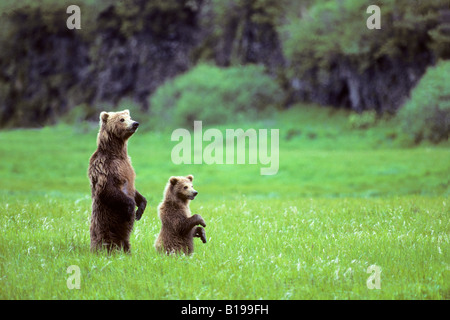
(178, 227)
(111, 175)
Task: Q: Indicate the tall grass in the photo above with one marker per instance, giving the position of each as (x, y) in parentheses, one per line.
(256, 249)
(341, 202)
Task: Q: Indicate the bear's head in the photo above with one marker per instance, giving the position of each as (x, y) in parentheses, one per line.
(117, 125)
(180, 188)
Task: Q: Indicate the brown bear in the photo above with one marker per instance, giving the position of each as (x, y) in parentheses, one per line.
(178, 227)
(114, 197)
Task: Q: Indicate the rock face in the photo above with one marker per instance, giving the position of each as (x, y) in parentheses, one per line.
(383, 86)
(49, 69)
(40, 68)
(135, 63)
(129, 48)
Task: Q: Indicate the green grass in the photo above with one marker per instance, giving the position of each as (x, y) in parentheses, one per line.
(343, 200)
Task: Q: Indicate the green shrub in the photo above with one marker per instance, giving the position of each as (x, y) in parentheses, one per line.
(363, 120)
(426, 116)
(331, 30)
(336, 60)
(215, 95)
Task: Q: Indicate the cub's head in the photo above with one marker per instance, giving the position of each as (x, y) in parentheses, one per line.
(181, 188)
(118, 124)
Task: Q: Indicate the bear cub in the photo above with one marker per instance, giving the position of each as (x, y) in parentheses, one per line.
(111, 175)
(179, 228)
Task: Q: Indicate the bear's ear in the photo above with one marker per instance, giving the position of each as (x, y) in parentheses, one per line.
(173, 180)
(190, 177)
(104, 116)
(127, 111)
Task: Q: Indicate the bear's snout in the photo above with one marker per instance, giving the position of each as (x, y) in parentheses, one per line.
(135, 125)
(195, 193)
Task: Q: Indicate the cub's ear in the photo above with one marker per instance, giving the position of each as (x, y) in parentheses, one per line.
(190, 177)
(104, 116)
(173, 180)
(127, 111)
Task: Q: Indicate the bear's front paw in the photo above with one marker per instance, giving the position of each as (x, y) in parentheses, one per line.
(201, 234)
(139, 213)
(199, 220)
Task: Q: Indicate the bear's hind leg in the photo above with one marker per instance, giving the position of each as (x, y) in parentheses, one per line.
(126, 246)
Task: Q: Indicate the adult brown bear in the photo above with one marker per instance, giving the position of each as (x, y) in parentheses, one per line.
(114, 197)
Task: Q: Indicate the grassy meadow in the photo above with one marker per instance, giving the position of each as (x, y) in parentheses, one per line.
(343, 199)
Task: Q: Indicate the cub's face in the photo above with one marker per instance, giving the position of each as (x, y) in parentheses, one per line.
(182, 187)
(119, 124)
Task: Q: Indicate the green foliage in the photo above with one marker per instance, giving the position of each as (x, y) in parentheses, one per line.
(426, 116)
(215, 95)
(52, 15)
(259, 11)
(129, 48)
(334, 29)
(40, 62)
(161, 17)
(336, 60)
(242, 31)
(47, 69)
(362, 120)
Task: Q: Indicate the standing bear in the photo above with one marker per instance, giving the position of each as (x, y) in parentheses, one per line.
(178, 226)
(114, 197)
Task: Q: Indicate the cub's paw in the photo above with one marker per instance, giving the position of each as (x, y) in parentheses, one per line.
(200, 233)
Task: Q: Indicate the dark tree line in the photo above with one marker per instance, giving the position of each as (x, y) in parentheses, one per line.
(316, 50)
